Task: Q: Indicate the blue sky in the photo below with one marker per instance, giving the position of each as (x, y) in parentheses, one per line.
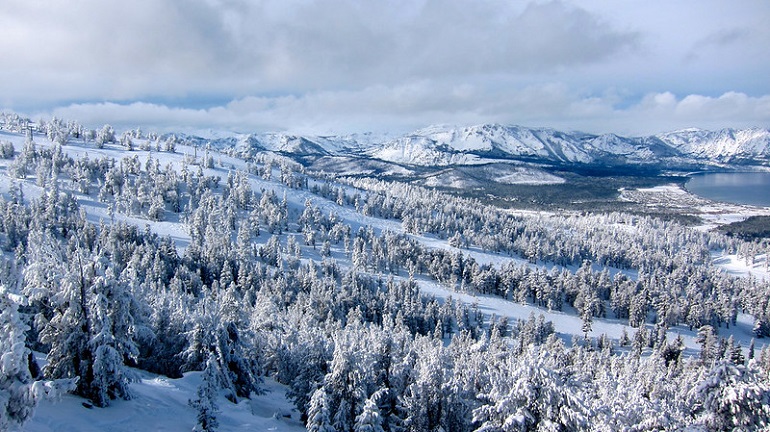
(629, 67)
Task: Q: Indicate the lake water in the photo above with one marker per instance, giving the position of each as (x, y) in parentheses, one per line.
(738, 188)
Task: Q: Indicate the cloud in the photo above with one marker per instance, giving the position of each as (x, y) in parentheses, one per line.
(724, 37)
(95, 50)
(664, 112)
(403, 108)
(356, 65)
(721, 39)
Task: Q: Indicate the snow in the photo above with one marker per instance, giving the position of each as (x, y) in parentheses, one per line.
(452, 180)
(530, 177)
(673, 196)
(422, 151)
(670, 189)
(482, 175)
(161, 404)
(442, 145)
(721, 145)
(567, 324)
(445, 145)
(739, 267)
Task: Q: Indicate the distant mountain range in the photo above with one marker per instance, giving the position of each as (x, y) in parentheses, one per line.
(444, 146)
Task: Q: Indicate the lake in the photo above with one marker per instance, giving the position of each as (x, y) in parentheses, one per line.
(739, 188)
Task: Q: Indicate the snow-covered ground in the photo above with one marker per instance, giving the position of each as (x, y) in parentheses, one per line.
(673, 196)
(568, 324)
(739, 267)
(161, 404)
(528, 176)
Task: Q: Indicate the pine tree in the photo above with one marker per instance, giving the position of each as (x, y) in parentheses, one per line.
(732, 397)
(369, 420)
(706, 338)
(112, 340)
(205, 404)
(17, 396)
(318, 417)
(68, 331)
(90, 332)
(527, 395)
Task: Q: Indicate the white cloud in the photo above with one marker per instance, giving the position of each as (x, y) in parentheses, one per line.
(388, 64)
(403, 108)
(130, 50)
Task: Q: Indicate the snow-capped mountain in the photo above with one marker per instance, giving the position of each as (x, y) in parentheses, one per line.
(302, 145)
(433, 145)
(726, 145)
(447, 145)
(440, 146)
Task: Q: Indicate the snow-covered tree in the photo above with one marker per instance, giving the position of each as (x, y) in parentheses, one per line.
(318, 416)
(89, 329)
(112, 341)
(732, 397)
(105, 135)
(206, 402)
(369, 420)
(530, 397)
(17, 396)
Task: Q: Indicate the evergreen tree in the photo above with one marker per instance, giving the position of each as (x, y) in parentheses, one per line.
(318, 417)
(90, 329)
(369, 420)
(18, 398)
(112, 341)
(205, 404)
(732, 397)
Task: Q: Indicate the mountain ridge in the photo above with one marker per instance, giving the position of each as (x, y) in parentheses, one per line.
(442, 145)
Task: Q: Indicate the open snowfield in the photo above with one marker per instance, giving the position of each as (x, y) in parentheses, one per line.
(161, 404)
(567, 324)
(739, 267)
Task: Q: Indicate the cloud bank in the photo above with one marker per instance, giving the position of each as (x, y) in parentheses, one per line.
(400, 110)
(349, 65)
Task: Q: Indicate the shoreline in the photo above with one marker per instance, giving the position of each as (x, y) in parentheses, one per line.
(761, 205)
(677, 198)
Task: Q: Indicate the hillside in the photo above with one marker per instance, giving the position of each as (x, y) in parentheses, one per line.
(148, 265)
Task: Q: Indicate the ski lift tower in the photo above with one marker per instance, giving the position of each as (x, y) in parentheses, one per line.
(28, 129)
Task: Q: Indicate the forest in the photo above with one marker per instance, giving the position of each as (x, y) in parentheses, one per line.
(316, 280)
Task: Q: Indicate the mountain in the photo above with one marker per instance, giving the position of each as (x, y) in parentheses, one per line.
(448, 146)
(443, 146)
(439, 145)
(301, 145)
(725, 145)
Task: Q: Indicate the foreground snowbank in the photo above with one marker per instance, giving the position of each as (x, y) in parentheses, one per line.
(160, 404)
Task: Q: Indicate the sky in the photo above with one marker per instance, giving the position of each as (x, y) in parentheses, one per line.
(344, 66)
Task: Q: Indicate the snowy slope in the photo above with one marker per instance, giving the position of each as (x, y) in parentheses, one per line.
(726, 145)
(302, 145)
(442, 145)
(445, 145)
(161, 404)
(423, 151)
(478, 176)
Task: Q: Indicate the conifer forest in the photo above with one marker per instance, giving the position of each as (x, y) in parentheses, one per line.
(375, 304)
